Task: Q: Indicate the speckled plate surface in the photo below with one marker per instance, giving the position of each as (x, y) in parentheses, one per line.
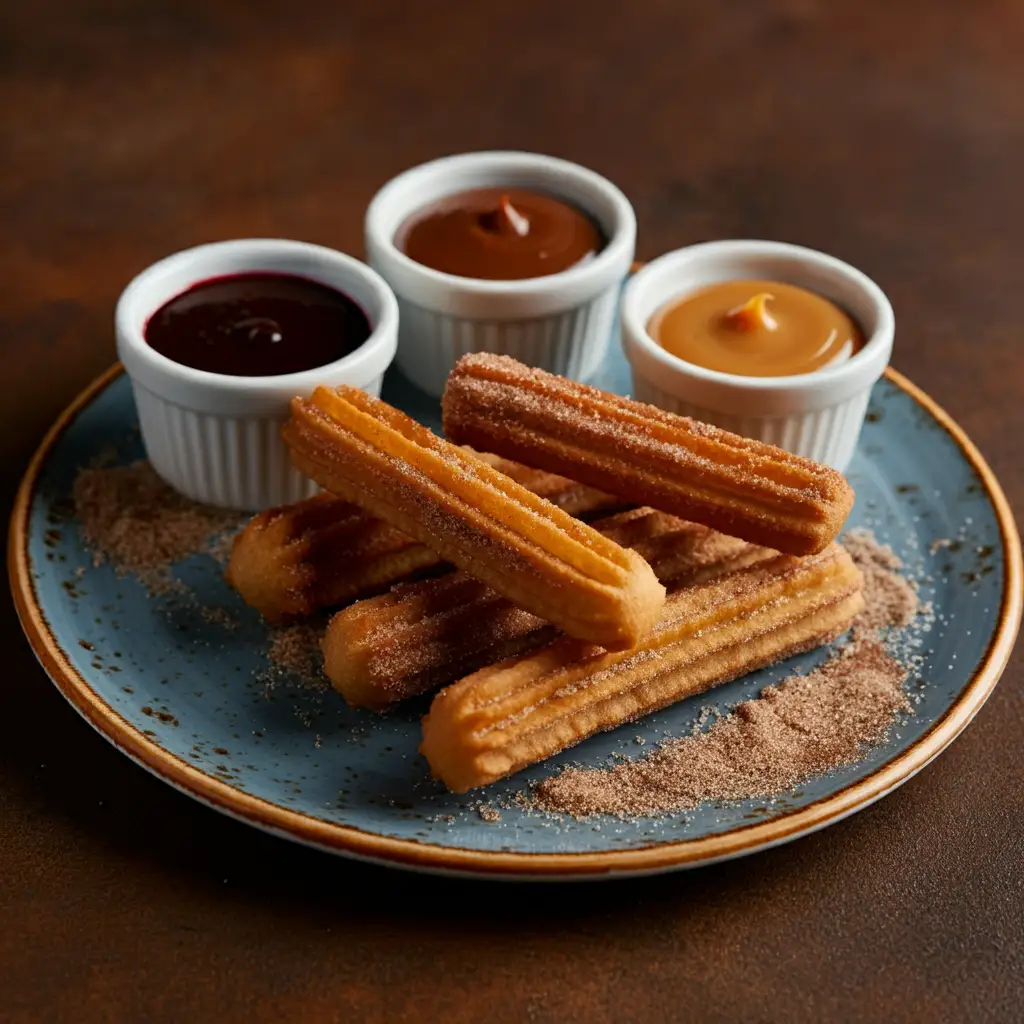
(183, 695)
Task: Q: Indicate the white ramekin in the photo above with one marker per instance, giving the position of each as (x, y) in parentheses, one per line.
(215, 437)
(562, 322)
(817, 414)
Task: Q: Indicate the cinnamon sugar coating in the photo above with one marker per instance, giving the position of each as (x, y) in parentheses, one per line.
(479, 519)
(733, 484)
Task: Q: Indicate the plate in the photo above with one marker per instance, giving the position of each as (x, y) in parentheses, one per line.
(184, 696)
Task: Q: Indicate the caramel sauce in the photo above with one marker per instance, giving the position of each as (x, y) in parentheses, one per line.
(756, 329)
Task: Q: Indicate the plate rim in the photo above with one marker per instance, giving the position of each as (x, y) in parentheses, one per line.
(415, 855)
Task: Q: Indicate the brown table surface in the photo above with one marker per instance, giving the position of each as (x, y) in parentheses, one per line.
(889, 134)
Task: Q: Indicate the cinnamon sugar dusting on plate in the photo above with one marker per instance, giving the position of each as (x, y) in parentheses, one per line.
(133, 520)
(488, 813)
(294, 653)
(890, 599)
(804, 726)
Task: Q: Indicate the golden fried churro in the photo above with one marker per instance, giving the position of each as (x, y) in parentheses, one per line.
(423, 635)
(742, 487)
(480, 520)
(323, 551)
(319, 553)
(527, 708)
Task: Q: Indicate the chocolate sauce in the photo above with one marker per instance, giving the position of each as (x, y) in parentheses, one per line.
(257, 325)
(500, 235)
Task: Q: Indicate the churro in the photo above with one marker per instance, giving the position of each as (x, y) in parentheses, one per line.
(736, 485)
(323, 552)
(483, 522)
(524, 709)
(425, 634)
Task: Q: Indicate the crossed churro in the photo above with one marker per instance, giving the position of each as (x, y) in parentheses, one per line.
(293, 560)
(473, 516)
(739, 486)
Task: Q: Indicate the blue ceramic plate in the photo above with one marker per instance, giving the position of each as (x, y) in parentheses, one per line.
(183, 696)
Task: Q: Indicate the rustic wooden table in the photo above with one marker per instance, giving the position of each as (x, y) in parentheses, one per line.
(888, 134)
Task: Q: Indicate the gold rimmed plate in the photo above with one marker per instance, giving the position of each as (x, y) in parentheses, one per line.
(185, 696)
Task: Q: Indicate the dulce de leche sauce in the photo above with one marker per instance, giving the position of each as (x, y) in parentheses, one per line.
(500, 234)
(756, 329)
(257, 325)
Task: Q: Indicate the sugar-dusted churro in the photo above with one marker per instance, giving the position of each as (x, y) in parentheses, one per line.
(322, 552)
(423, 635)
(525, 709)
(742, 487)
(479, 519)
(292, 560)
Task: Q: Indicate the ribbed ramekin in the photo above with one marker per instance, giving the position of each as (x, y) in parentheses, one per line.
(562, 322)
(215, 437)
(818, 414)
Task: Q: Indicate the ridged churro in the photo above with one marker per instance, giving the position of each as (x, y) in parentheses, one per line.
(525, 709)
(422, 635)
(736, 485)
(323, 552)
(480, 520)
